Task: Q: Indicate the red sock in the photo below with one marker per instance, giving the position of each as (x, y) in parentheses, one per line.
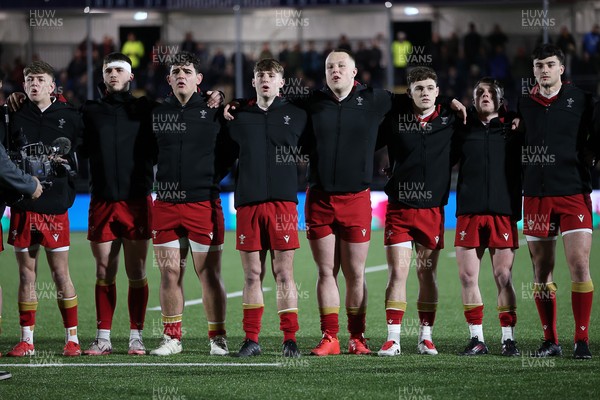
(426, 318)
(426, 313)
(106, 301)
(507, 318)
(330, 324)
(394, 317)
(27, 312)
(216, 329)
(474, 315)
(68, 310)
(288, 323)
(545, 301)
(137, 300)
(172, 329)
(251, 322)
(582, 294)
(356, 324)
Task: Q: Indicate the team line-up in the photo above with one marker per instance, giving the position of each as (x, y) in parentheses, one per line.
(193, 142)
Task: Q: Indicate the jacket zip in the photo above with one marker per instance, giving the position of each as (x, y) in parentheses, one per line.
(486, 144)
(266, 114)
(337, 140)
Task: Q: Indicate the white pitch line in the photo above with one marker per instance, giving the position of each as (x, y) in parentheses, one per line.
(267, 289)
(376, 268)
(142, 365)
(199, 301)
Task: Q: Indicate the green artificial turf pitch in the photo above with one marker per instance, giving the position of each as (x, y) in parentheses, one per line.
(409, 376)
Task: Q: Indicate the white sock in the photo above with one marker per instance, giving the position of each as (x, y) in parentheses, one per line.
(507, 333)
(394, 332)
(71, 334)
(476, 330)
(103, 334)
(425, 332)
(135, 334)
(27, 334)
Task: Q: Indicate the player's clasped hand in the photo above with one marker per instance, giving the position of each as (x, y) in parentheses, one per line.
(215, 98)
(515, 124)
(460, 109)
(15, 101)
(231, 106)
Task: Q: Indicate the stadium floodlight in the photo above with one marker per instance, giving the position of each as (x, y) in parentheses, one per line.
(140, 16)
(388, 4)
(411, 10)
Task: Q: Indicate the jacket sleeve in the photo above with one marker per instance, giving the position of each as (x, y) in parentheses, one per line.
(227, 150)
(12, 178)
(71, 156)
(83, 148)
(307, 139)
(593, 142)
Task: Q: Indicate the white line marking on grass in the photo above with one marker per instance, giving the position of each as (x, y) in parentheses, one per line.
(142, 365)
(199, 301)
(376, 268)
(267, 289)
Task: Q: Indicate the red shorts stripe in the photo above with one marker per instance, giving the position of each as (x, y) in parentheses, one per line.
(422, 225)
(544, 216)
(491, 231)
(29, 228)
(201, 222)
(129, 219)
(348, 215)
(272, 225)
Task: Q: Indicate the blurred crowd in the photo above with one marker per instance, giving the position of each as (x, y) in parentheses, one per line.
(459, 62)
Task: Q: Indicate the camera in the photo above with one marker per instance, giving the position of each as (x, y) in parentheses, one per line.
(42, 161)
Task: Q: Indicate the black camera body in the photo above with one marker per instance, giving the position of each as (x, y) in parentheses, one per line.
(39, 160)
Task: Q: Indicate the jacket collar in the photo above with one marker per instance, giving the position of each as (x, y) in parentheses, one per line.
(195, 101)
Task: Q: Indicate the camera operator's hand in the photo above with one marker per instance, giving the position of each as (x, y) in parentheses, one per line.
(58, 160)
(15, 101)
(38, 189)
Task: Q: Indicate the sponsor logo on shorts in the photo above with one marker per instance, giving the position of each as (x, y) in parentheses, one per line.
(505, 236)
(437, 239)
(242, 238)
(462, 235)
(580, 216)
(364, 232)
(286, 238)
(55, 236)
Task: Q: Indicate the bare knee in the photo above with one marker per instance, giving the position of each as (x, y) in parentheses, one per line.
(503, 276)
